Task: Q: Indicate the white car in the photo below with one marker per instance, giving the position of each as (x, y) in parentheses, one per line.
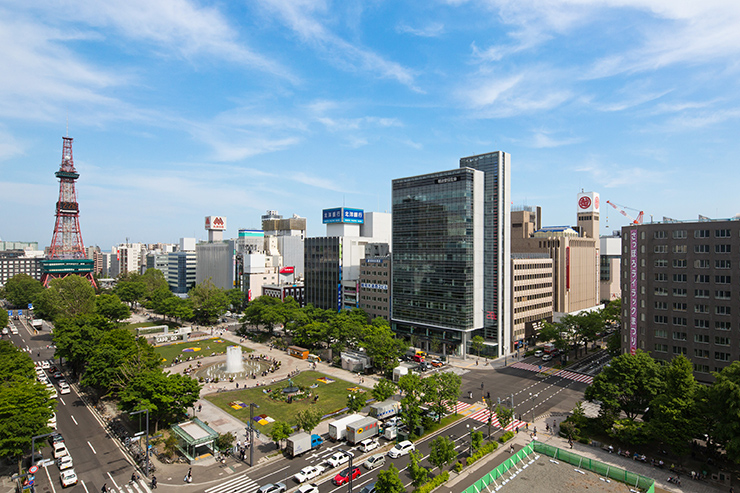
(52, 391)
(338, 459)
(368, 444)
(53, 421)
(45, 364)
(64, 388)
(400, 449)
(392, 422)
(68, 477)
(547, 357)
(13, 330)
(308, 473)
(65, 463)
(60, 450)
(538, 353)
(308, 488)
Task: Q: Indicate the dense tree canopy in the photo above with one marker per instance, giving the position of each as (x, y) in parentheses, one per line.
(111, 307)
(209, 302)
(67, 297)
(21, 289)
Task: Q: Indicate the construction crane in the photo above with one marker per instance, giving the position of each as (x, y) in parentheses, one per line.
(621, 209)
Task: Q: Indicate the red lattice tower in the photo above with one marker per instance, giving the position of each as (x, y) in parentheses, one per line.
(67, 240)
(66, 244)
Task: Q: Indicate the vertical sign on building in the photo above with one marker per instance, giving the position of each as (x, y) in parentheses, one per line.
(567, 268)
(633, 291)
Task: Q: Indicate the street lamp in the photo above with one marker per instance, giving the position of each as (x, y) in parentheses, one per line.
(506, 353)
(146, 450)
(252, 406)
(471, 439)
(349, 484)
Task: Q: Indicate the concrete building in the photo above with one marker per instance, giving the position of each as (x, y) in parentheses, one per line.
(290, 237)
(297, 291)
(181, 271)
(610, 265)
(332, 262)
(96, 256)
(680, 294)
(574, 251)
(217, 262)
(129, 258)
(13, 262)
(375, 281)
(451, 256)
(532, 296)
(19, 245)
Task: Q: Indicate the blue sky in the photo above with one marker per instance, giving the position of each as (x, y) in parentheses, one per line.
(182, 109)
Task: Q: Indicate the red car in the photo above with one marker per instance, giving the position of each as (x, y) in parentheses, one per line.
(343, 477)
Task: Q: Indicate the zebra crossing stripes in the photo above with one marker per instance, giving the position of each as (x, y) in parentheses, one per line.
(482, 417)
(570, 375)
(139, 486)
(459, 407)
(240, 484)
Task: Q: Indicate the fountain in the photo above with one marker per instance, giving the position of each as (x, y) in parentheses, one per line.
(235, 366)
(234, 363)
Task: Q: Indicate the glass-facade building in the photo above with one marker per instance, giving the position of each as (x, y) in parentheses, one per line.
(449, 274)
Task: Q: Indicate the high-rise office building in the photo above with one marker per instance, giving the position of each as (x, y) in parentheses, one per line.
(680, 294)
(451, 248)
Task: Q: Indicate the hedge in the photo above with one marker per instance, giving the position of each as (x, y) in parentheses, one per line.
(483, 451)
(506, 437)
(438, 480)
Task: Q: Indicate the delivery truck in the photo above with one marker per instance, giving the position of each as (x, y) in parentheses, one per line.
(386, 409)
(362, 429)
(300, 443)
(338, 428)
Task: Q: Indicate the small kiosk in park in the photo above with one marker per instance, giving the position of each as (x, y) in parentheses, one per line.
(195, 439)
(298, 352)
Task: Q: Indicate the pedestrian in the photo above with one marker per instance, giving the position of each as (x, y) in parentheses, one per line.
(517, 430)
(511, 448)
(200, 407)
(527, 425)
(154, 482)
(570, 442)
(104, 489)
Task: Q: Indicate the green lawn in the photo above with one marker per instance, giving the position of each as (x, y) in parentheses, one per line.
(202, 348)
(332, 397)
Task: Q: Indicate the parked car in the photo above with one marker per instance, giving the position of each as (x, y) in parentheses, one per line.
(368, 444)
(308, 488)
(338, 459)
(344, 476)
(308, 473)
(401, 449)
(272, 488)
(538, 353)
(68, 478)
(64, 462)
(547, 357)
(377, 460)
(369, 488)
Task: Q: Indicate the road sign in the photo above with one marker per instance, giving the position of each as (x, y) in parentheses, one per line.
(20, 312)
(33, 469)
(30, 306)
(10, 313)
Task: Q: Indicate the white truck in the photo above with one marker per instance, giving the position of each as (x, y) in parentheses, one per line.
(386, 409)
(300, 443)
(338, 428)
(362, 429)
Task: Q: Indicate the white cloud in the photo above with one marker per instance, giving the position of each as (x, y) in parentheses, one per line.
(545, 140)
(611, 175)
(432, 30)
(301, 17)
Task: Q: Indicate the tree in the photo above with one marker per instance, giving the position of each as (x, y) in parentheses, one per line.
(476, 440)
(236, 299)
(308, 419)
(413, 395)
(264, 310)
(504, 415)
(628, 384)
(673, 416)
(355, 401)
(111, 307)
(384, 390)
(153, 280)
(167, 396)
(442, 389)
(477, 344)
(66, 297)
(22, 289)
(442, 451)
(389, 481)
(280, 431)
(723, 396)
(4, 319)
(25, 404)
(419, 474)
(588, 327)
(382, 345)
(76, 338)
(209, 302)
(225, 441)
(130, 288)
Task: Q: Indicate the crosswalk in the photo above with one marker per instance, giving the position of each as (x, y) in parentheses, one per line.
(570, 375)
(138, 486)
(481, 414)
(239, 484)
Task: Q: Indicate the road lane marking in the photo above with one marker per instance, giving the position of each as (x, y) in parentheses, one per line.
(94, 452)
(84, 486)
(109, 475)
(63, 403)
(73, 419)
(51, 483)
(275, 472)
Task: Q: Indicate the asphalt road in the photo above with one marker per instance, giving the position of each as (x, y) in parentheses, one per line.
(97, 459)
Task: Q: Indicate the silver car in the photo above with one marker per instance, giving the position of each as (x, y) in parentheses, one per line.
(377, 460)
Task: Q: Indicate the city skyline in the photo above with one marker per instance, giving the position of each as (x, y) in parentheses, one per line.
(184, 109)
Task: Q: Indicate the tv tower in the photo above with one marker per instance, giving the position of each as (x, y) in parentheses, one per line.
(67, 252)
